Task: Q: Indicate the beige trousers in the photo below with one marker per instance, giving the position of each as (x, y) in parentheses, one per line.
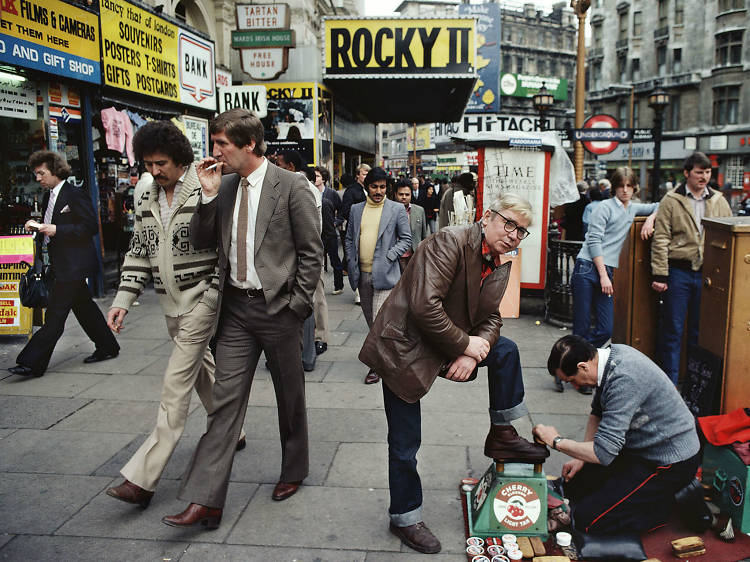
(190, 365)
(320, 311)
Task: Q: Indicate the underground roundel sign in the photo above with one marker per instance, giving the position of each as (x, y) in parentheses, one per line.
(601, 121)
(517, 506)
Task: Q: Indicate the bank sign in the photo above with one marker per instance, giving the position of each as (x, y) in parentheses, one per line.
(399, 48)
(146, 54)
(50, 36)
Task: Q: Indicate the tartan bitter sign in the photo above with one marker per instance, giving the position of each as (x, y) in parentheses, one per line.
(251, 39)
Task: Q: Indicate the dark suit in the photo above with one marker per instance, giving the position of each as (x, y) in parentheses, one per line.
(288, 261)
(73, 258)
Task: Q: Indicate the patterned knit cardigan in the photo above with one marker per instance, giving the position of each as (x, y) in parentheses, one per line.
(183, 276)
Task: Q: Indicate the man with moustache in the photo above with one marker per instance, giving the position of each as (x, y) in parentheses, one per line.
(377, 236)
(264, 222)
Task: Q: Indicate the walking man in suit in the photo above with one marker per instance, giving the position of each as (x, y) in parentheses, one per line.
(264, 222)
(377, 235)
(417, 221)
(68, 229)
(186, 283)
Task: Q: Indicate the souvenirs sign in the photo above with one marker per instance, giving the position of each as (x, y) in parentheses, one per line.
(147, 54)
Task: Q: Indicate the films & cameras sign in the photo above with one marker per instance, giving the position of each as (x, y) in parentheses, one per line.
(50, 36)
(399, 48)
(147, 54)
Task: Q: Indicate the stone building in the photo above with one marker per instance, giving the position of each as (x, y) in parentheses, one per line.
(696, 51)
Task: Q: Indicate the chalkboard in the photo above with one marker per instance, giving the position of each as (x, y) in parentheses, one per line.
(701, 389)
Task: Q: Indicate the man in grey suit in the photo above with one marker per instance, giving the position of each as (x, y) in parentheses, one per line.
(417, 221)
(264, 222)
(377, 235)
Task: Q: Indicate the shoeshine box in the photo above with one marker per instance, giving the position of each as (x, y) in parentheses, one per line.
(509, 498)
(729, 478)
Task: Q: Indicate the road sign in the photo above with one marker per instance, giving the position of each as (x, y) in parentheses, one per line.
(601, 121)
(602, 134)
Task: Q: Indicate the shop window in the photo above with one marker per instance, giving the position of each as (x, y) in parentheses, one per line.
(729, 48)
(726, 105)
(734, 171)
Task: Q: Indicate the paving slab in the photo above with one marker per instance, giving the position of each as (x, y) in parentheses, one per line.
(347, 371)
(36, 412)
(126, 387)
(235, 553)
(336, 337)
(325, 518)
(116, 416)
(120, 365)
(324, 395)
(106, 517)
(4, 539)
(64, 385)
(41, 503)
(56, 549)
(411, 557)
(58, 452)
(347, 425)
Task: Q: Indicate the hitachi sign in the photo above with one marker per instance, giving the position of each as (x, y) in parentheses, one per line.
(488, 122)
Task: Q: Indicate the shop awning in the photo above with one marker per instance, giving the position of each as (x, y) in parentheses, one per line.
(401, 70)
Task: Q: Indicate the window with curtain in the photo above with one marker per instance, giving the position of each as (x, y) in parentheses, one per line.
(726, 105)
(729, 48)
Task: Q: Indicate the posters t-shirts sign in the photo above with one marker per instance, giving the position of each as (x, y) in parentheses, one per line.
(146, 54)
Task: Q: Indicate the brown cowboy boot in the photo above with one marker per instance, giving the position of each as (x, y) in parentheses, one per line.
(504, 444)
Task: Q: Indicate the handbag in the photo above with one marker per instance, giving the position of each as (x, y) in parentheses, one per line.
(32, 288)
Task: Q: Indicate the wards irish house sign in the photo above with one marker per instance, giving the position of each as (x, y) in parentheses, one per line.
(263, 38)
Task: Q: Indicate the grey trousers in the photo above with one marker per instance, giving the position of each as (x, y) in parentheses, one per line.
(245, 329)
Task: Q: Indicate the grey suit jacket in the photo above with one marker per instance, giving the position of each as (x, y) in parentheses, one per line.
(394, 238)
(288, 249)
(418, 224)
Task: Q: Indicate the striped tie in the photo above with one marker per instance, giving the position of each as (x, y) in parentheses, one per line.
(242, 233)
(48, 212)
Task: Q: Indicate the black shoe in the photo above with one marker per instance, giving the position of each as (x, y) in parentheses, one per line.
(320, 347)
(24, 371)
(559, 385)
(101, 356)
(307, 367)
(586, 390)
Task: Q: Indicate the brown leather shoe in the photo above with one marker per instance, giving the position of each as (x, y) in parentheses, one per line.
(131, 493)
(504, 444)
(284, 490)
(372, 377)
(418, 537)
(195, 514)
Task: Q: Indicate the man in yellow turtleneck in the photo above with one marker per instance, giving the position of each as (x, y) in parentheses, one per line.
(377, 235)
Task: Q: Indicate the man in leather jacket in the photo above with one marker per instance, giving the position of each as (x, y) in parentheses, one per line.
(442, 318)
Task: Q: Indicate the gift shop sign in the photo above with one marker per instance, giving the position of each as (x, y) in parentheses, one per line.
(146, 54)
(263, 39)
(50, 36)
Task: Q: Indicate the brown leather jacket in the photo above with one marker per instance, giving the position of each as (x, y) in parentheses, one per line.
(428, 317)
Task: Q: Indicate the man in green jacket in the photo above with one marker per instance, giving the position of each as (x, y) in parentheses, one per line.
(677, 256)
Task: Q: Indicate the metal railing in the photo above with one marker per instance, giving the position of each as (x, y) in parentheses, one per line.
(558, 292)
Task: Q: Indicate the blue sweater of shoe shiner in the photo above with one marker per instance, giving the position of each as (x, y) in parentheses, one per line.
(608, 227)
(641, 412)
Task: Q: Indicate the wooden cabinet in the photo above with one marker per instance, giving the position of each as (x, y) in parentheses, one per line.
(725, 305)
(636, 304)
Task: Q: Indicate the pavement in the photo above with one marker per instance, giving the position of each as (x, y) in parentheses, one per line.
(64, 437)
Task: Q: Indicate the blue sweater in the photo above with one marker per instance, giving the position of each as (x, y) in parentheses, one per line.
(608, 227)
(641, 412)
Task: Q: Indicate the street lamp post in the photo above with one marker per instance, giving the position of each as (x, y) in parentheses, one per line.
(657, 100)
(580, 7)
(543, 100)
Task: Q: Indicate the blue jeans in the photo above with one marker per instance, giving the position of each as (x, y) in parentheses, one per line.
(405, 428)
(331, 245)
(682, 298)
(587, 292)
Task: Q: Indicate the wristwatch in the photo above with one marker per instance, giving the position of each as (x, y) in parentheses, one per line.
(556, 440)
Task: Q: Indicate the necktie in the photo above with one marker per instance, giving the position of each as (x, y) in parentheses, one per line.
(242, 233)
(48, 212)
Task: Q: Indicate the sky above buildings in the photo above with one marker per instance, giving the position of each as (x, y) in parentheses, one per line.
(386, 7)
